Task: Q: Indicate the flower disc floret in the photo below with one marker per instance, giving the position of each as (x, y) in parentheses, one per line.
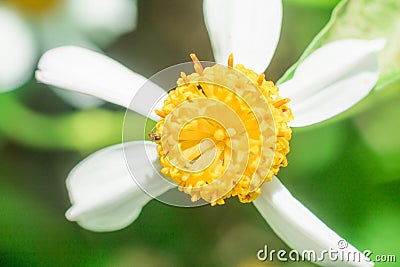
(223, 132)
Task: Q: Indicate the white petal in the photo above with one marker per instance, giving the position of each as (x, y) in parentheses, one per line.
(299, 228)
(104, 20)
(332, 79)
(91, 73)
(105, 195)
(18, 51)
(248, 29)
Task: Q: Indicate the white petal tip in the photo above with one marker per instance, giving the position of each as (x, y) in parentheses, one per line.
(71, 215)
(227, 35)
(92, 73)
(320, 90)
(55, 52)
(38, 76)
(378, 44)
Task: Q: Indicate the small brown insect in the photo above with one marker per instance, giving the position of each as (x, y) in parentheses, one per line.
(154, 136)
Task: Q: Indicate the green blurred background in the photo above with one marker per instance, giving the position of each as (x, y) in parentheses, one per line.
(346, 172)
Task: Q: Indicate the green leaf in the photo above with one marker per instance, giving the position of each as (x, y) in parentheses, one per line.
(364, 19)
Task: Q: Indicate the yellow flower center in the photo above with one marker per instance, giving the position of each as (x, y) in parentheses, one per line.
(33, 7)
(223, 132)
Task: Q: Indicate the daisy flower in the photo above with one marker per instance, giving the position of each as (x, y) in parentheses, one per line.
(30, 27)
(192, 121)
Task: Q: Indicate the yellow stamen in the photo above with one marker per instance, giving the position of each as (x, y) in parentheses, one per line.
(197, 65)
(184, 78)
(281, 102)
(230, 61)
(261, 79)
(223, 134)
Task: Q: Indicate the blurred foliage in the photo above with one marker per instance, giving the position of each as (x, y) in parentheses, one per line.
(84, 131)
(364, 19)
(70, 131)
(346, 172)
(312, 3)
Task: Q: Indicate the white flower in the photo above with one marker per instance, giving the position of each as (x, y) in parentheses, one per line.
(329, 81)
(30, 27)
